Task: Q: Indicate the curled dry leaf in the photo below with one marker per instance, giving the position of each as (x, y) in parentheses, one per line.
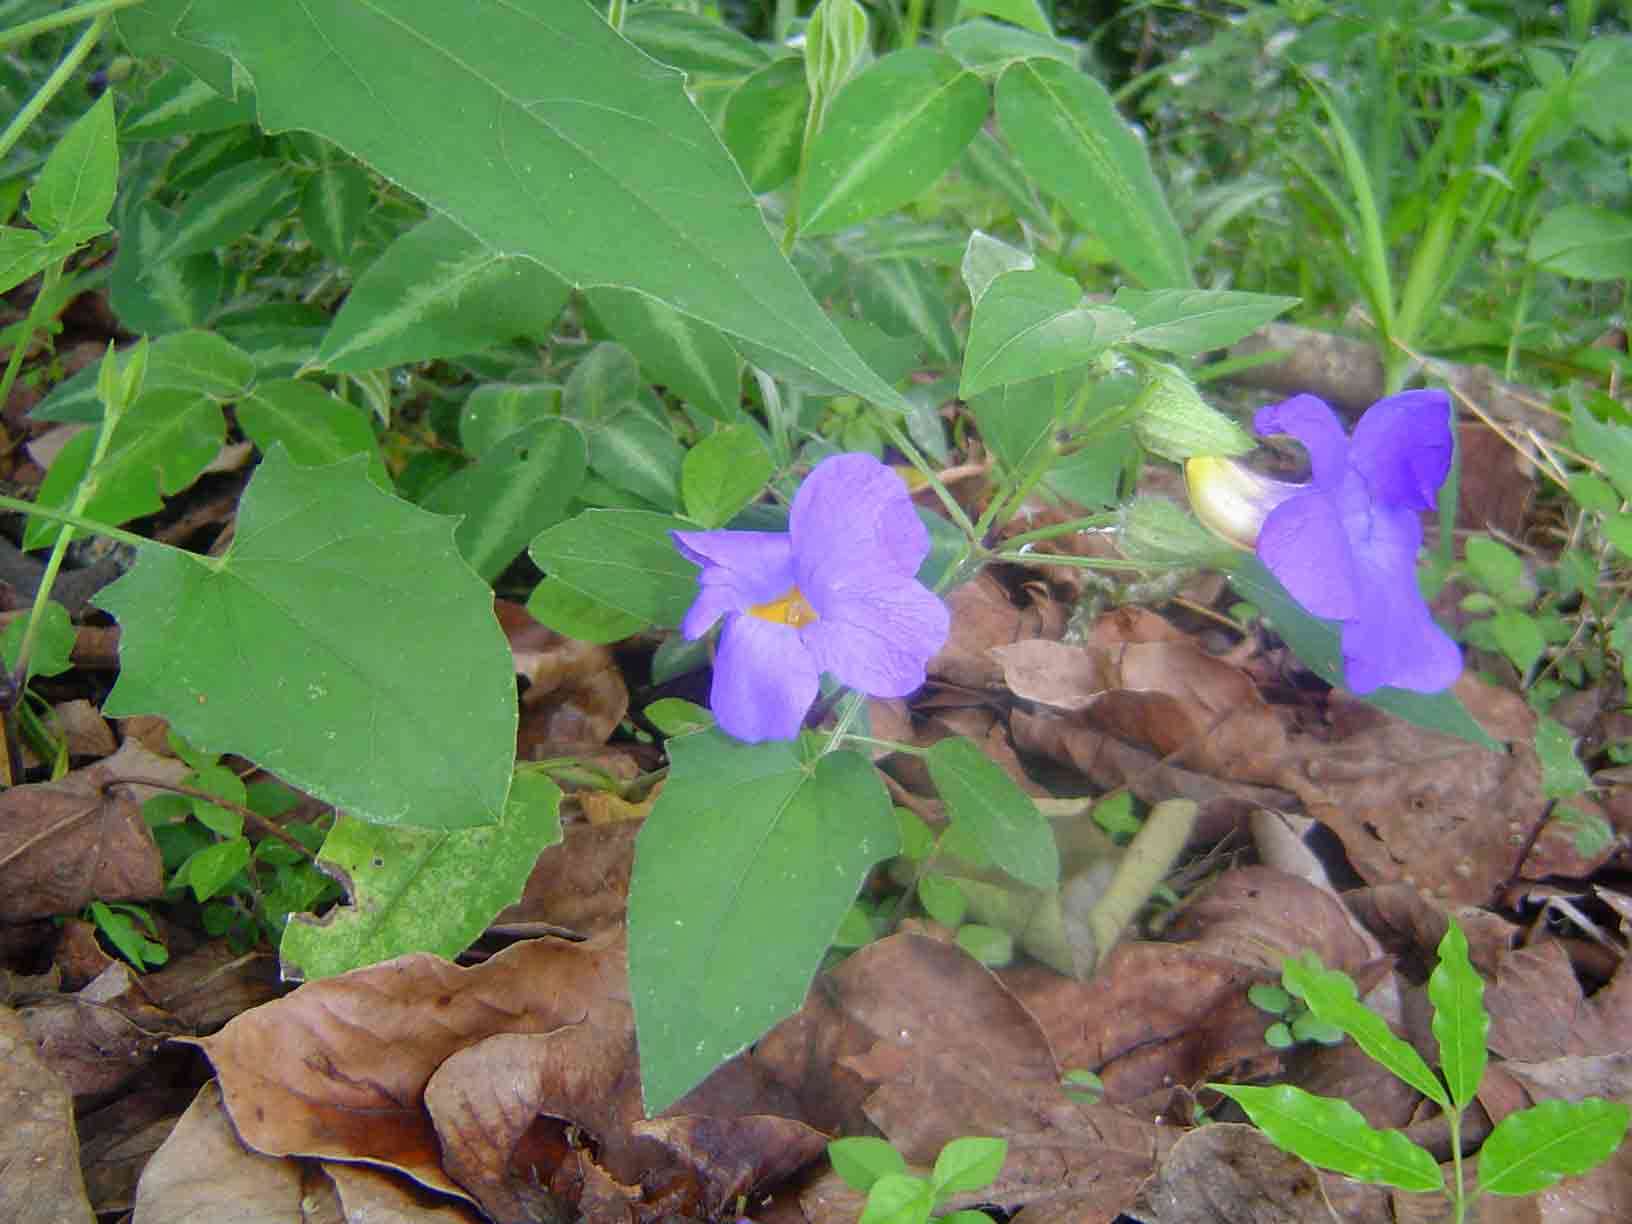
(101, 1037)
(734, 1156)
(39, 1152)
(1258, 916)
(983, 616)
(65, 844)
(373, 1196)
(1169, 696)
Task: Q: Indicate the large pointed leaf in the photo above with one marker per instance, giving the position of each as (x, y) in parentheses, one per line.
(422, 890)
(1066, 131)
(340, 642)
(690, 358)
(1032, 322)
(540, 130)
(743, 871)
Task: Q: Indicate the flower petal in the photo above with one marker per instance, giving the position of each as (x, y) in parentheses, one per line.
(1308, 419)
(1304, 544)
(852, 516)
(740, 569)
(877, 637)
(1396, 642)
(764, 680)
(1402, 447)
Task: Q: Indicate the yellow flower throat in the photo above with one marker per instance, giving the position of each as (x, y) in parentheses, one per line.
(791, 610)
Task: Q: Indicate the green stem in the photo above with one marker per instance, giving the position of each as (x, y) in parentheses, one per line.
(914, 24)
(888, 745)
(52, 514)
(1019, 556)
(898, 438)
(1091, 523)
(48, 284)
(615, 12)
(1458, 1197)
(29, 30)
(65, 537)
(52, 85)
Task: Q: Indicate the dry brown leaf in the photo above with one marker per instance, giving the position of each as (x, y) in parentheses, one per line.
(65, 844)
(338, 1068)
(39, 1151)
(1167, 695)
(735, 1157)
(1537, 1010)
(1411, 925)
(582, 882)
(373, 1196)
(117, 1141)
(205, 1175)
(575, 691)
(1232, 1172)
(1259, 916)
(1154, 1016)
(84, 728)
(208, 986)
(99, 1039)
(983, 616)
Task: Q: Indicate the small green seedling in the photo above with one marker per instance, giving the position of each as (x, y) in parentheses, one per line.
(1528, 1151)
(895, 1196)
(1293, 1021)
(131, 930)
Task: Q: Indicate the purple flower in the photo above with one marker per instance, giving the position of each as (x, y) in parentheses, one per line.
(836, 593)
(1345, 544)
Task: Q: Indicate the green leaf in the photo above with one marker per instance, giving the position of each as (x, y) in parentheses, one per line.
(943, 900)
(333, 205)
(624, 559)
(611, 176)
(1331, 996)
(1519, 637)
(1608, 443)
(120, 928)
(23, 252)
(898, 1199)
(1067, 133)
(1032, 322)
(516, 490)
(1316, 644)
(52, 653)
(676, 716)
(1460, 1020)
(149, 32)
(765, 123)
(603, 384)
(1588, 243)
(1025, 13)
(695, 45)
(1016, 418)
(312, 425)
(211, 869)
(691, 359)
(723, 473)
(1192, 321)
(888, 135)
(221, 782)
(743, 871)
(1498, 568)
(422, 890)
(1331, 1134)
(228, 206)
(1562, 774)
(991, 946)
(573, 614)
(967, 1164)
(861, 1161)
(340, 627)
(989, 46)
(74, 193)
(439, 292)
(1533, 1148)
(636, 454)
(180, 104)
(494, 411)
(198, 361)
(903, 296)
(988, 805)
(161, 444)
(154, 295)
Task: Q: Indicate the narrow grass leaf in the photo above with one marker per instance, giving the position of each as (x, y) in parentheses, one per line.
(1331, 1134)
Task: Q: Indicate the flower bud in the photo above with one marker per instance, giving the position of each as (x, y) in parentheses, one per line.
(1231, 499)
(1176, 423)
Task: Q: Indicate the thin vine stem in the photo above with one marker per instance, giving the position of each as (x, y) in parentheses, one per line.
(30, 30)
(52, 85)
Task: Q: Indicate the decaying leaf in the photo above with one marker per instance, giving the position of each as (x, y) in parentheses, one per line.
(39, 1153)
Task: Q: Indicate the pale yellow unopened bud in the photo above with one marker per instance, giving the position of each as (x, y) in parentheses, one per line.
(1231, 499)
